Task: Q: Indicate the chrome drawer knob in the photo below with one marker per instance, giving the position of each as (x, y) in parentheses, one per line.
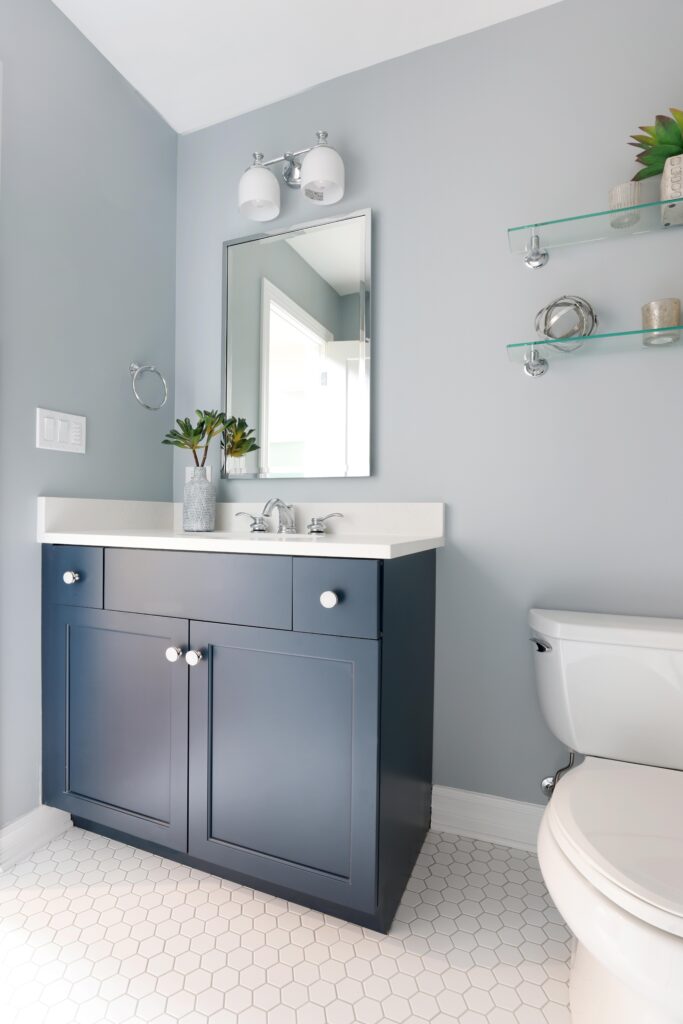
(173, 654)
(71, 577)
(329, 599)
(193, 658)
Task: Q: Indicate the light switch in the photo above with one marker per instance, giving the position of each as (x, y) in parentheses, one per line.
(60, 431)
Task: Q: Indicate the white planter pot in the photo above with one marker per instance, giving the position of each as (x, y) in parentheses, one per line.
(236, 466)
(672, 188)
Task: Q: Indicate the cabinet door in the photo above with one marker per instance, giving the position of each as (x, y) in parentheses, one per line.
(115, 716)
(283, 759)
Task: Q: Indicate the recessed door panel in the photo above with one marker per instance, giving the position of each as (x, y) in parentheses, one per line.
(282, 750)
(283, 759)
(119, 725)
(115, 715)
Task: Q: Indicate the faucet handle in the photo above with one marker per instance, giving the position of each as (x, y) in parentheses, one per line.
(257, 524)
(317, 523)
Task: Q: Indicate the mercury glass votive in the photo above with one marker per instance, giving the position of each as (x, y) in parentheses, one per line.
(661, 313)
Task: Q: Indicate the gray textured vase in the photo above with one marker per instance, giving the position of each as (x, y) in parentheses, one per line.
(199, 503)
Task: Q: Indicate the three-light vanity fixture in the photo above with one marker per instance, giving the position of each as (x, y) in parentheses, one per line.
(320, 175)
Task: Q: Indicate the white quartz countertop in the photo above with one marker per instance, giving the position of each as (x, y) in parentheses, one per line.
(406, 528)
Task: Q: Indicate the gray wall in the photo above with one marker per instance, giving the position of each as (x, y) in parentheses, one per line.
(564, 491)
(87, 277)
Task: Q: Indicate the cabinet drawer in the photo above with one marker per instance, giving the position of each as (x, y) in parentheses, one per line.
(354, 583)
(245, 590)
(85, 563)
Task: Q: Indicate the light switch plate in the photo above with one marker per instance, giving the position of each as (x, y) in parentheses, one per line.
(60, 431)
(188, 472)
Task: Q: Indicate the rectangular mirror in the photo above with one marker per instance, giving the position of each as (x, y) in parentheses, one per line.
(297, 349)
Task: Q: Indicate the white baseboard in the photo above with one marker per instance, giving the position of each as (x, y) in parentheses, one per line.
(460, 812)
(20, 838)
(480, 816)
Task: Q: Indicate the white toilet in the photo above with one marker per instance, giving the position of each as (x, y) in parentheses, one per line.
(611, 839)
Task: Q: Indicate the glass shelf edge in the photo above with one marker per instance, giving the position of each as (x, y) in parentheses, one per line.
(540, 342)
(520, 347)
(589, 216)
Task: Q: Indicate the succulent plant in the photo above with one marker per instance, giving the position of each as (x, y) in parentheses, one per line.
(197, 436)
(237, 438)
(658, 142)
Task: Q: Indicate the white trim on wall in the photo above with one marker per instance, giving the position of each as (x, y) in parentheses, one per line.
(480, 816)
(20, 838)
(272, 295)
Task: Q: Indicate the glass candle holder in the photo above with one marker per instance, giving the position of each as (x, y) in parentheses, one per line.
(661, 313)
(626, 194)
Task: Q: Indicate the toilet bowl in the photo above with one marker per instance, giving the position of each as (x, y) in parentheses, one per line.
(610, 844)
(611, 851)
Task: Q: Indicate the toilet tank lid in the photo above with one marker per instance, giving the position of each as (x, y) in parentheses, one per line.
(624, 630)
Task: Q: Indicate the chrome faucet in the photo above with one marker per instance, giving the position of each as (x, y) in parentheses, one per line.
(285, 515)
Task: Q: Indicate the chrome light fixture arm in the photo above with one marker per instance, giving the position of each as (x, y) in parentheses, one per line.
(291, 172)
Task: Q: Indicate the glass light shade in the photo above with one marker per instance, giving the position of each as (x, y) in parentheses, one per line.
(322, 175)
(259, 194)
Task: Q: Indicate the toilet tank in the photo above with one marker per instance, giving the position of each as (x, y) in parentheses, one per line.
(612, 685)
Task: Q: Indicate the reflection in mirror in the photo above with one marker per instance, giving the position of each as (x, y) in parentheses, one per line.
(297, 363)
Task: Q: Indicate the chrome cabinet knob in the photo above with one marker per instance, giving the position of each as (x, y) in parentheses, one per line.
(193, 658)
(174, 653)
(71, 577)
(329, 599)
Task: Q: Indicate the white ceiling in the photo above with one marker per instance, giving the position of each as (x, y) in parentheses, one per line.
(199, 62)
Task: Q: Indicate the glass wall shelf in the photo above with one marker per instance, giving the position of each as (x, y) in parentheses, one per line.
(533, 241)
(535, 354)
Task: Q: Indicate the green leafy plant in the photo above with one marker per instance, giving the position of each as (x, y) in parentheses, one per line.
(238, 438)
(658, 142)
(197, 437)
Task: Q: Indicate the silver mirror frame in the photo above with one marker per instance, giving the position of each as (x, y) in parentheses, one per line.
(365, 335)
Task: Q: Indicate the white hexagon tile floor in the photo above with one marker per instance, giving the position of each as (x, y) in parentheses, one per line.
(96, 932)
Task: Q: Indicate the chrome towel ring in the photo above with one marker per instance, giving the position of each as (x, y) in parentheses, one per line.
(135, 371)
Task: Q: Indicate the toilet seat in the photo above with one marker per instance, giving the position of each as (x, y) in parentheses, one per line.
(621, 826)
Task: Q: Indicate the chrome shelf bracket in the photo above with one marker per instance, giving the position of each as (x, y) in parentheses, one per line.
(534, 364)
(534, 256)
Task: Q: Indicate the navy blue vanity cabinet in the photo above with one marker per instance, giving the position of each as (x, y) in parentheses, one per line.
(284, 759)
(290, 751)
